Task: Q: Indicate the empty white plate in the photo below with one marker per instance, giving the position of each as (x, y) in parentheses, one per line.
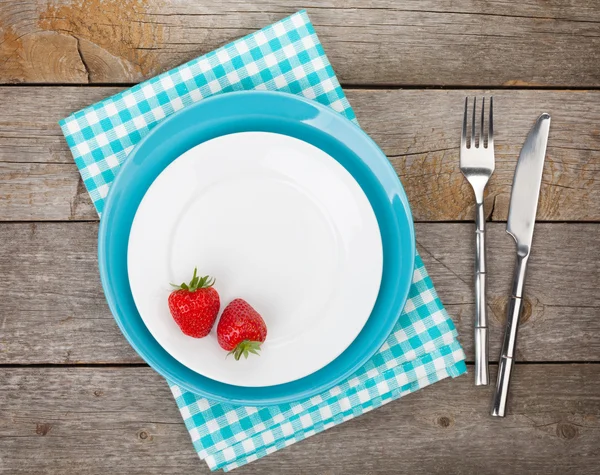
(279, 223)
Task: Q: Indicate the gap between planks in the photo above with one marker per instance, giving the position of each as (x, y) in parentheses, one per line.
(345, 86)
(144, 365)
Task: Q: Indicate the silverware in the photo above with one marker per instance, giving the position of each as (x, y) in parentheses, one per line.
(477, 165)
(521, 219)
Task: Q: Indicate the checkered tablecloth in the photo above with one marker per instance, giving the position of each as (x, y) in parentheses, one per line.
(286, 56)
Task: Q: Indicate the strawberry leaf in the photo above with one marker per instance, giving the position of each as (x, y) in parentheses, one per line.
(245, 348)
(196, 282)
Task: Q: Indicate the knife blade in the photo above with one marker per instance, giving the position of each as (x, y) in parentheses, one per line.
(526, 185)
(521, 220)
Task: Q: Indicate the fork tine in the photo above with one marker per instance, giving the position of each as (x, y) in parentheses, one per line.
(491, 124)
(481, 129)
(463, 135)
(473, 123)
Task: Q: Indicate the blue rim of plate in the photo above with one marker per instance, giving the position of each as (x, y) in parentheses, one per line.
(281, 113)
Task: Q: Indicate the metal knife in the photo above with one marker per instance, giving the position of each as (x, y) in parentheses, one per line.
(521, 219)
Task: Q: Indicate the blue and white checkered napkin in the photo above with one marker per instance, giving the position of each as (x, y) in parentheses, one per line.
(286, 56)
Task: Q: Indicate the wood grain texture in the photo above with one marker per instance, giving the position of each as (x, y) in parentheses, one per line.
(94, 420)
(419, 130)
(52, 309)
(122, 419)
(408, 42)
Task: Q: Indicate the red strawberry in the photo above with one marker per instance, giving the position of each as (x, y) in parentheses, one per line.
(195, 306)
(241, 330)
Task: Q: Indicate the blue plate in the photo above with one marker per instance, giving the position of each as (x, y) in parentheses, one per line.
(269, 112)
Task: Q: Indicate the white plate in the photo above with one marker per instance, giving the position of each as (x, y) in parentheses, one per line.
(277, 222)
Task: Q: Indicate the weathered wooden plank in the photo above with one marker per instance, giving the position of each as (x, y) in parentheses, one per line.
(417, 129)
(41, 186)
(29, 131)
(407, 42)
(53, 309)
(123, 420)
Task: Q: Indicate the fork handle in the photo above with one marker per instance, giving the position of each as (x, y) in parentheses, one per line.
(481, 321)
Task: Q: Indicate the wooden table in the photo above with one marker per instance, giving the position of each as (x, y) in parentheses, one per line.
(75, 398)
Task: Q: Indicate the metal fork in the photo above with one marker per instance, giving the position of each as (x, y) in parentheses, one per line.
(477, 165)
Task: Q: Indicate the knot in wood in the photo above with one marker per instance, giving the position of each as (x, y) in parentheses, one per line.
(444, 421)
(499, 308)
(42, 429)
(566, 431)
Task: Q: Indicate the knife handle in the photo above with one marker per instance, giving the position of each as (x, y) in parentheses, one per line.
(507, 354)
(481, 323)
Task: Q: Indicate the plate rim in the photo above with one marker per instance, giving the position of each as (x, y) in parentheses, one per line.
(334, 119)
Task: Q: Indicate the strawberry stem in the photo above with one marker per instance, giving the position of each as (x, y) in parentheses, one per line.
(196, 282)
(245, 348)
